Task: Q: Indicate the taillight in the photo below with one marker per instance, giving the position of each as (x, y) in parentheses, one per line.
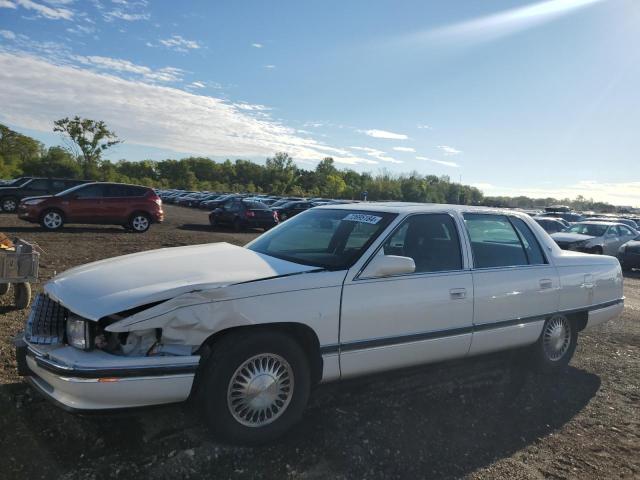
(249, 213)
(275, 216)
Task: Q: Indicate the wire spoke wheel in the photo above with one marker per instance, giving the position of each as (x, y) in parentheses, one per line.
(260, 390)
(140, 223)
(556, 337)
(52, 220)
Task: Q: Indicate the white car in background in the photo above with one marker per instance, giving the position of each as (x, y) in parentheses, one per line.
(336, 292)
(598, 237)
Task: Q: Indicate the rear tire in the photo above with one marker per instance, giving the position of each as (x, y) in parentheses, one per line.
(52, 220)
(597, 251)
(4, 288)
(139, 222)
(556, 345)
(22, 295)
(255, 387)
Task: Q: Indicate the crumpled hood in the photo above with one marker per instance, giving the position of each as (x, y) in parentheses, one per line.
(570, 237)
(117, 284)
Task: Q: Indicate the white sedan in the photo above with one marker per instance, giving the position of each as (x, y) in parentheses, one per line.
(336, 292)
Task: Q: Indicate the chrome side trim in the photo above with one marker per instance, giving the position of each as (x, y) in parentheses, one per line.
(434, 334)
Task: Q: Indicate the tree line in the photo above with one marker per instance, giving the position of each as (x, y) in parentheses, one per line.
(86, 140)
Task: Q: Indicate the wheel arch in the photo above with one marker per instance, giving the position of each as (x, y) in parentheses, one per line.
(304, 335)
(53, 209)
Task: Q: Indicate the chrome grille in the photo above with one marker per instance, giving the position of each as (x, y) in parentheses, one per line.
(46, 322)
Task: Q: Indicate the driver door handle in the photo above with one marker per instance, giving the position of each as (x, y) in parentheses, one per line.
(458, 293)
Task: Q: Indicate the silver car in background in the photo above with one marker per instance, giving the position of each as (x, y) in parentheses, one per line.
(599, 237)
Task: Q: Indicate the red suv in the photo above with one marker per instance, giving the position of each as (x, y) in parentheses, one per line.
(131, 206)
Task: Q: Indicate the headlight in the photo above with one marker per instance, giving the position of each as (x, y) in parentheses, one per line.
(78, 332)
(35, 201)
(579, 244)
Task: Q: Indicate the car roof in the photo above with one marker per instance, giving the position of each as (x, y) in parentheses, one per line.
(599, 222)
(407, 207)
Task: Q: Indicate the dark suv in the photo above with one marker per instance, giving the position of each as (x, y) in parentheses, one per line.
(11, 195)
(133, 206)
(241, 214)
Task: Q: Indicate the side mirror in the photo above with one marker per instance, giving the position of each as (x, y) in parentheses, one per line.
(386, 265)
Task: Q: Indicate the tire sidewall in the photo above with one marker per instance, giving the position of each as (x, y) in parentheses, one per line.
(44, 225)
(227, 356)
(6, 199)
(139, 214)
(542, 363)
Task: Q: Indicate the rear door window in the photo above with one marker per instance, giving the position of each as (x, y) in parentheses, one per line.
(494, 241)
(39, 184)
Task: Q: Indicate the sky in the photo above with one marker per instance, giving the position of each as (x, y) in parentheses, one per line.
(537, 98)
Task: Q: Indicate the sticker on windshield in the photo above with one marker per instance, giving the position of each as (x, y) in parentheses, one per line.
(362, 218)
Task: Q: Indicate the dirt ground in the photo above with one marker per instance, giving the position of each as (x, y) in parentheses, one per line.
(481, 418)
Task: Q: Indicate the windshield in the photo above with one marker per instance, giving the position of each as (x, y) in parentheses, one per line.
(331, 239)
(591, 229)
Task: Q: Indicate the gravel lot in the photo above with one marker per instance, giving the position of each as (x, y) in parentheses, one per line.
(482, 418)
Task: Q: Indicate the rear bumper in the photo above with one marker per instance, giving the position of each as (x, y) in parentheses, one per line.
(85, 387)
(601, 315)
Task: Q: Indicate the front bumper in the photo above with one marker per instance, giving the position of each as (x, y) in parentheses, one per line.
(28, 214)
(95, 380)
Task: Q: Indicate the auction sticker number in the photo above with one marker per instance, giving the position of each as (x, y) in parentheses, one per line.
(362, 218)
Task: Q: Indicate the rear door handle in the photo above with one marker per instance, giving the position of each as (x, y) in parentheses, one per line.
(458, 293)
(546, 283)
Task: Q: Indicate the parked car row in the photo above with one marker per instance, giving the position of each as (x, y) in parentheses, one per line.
(245, 210)
(600, 236)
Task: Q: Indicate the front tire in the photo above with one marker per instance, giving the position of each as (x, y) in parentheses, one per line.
(139, 222)
(556, 345)
(52, 220)
(255, 387)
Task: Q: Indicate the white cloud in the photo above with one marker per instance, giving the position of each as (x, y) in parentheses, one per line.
(439, 162)
(424, 126)
(7, 34)
(377, 154)
(385, 134)
(165, 74)
(449, 150)
(180, 44)
(404, 149)
(36, 92)
(617, 193)
(270, 67)
(257, 45)
(52, 13)
(197, 85)
(126, 16)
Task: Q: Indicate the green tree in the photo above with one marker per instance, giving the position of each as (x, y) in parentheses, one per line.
(56, 162)
(281, 172)
(87, 139)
